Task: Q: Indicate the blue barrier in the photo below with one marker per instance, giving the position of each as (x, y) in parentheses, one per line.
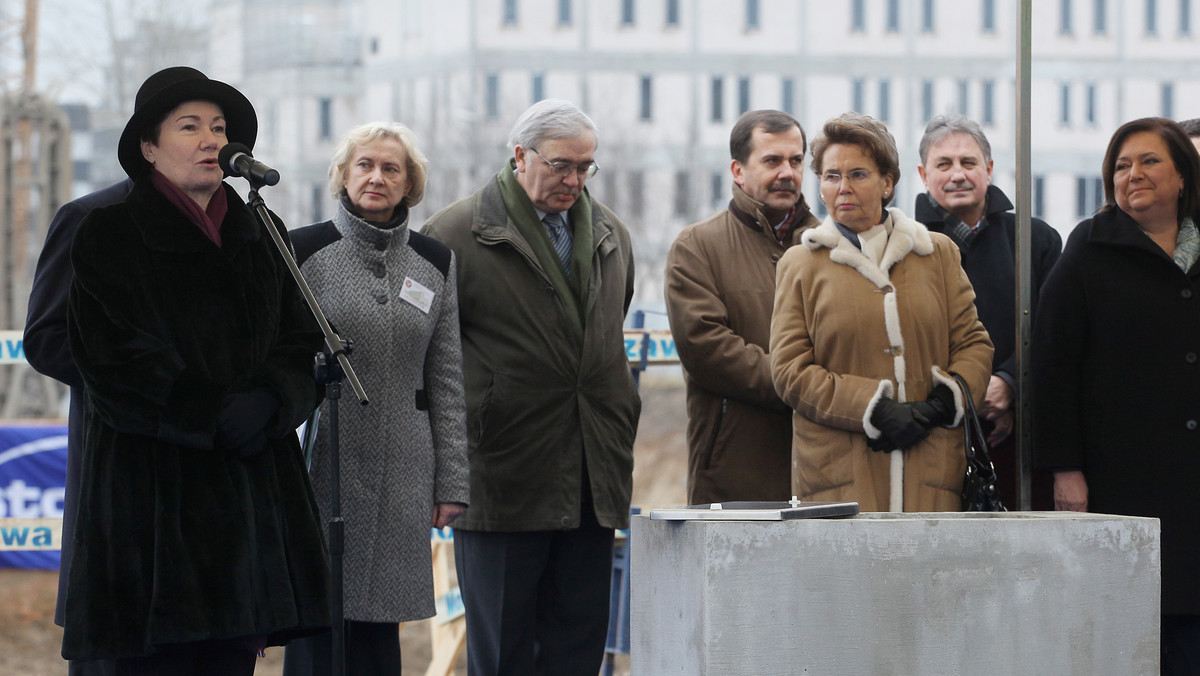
(618, 602)
(33, 472)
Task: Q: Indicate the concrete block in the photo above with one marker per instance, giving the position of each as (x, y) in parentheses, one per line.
(1059, 593)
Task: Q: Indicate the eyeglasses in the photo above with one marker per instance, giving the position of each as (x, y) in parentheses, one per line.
(563, 169)
(854, 176)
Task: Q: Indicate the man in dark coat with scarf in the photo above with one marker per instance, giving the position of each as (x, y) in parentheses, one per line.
(961, 202)
(46, 349)
(545, 275)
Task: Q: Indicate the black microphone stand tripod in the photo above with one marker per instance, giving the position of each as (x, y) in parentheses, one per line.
(331, 366)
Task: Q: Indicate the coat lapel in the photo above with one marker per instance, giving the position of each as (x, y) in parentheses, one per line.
(163, 229)
(908, 236)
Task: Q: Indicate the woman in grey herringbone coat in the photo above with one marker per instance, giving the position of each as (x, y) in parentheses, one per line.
(404, 457)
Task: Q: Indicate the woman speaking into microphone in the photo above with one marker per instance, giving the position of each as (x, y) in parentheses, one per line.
(197, 542)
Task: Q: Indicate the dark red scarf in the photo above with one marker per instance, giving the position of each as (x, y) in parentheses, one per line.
(208, 220)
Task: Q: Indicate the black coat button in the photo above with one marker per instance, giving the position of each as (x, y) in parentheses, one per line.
(1186, 293)
(1191, 425)
(1190, 357)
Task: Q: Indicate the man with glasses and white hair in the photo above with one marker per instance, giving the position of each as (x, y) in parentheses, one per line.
(961, 202)
(545, 276)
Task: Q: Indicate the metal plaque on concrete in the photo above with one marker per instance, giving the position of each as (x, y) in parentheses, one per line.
(755, 511)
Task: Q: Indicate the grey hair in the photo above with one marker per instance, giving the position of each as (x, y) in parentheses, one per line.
(1191, 127)
(943, 125)
(416, 164)
(550, 119)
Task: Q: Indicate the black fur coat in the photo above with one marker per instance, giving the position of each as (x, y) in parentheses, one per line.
(178, 541)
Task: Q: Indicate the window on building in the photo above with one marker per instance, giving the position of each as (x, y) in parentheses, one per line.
(858, 95)
(325, 119)
(1064, 103)
(1089, 195)
(787, 96)
(1089, 103)
(717, 112)
(1100, 17)
(682, 194)
(492, 96)
(1039, 196)
(317, 198)
(858, 16)
(928, 12)
(1064, 17)
(647, 100)
(926, 100)
(538, 87)
(1185, 17)
(893, 16)
(989, 16)
(885, 100)
(964, 92)
(564, 12)
(989, 102)
(717, 187)
(637, 193)
(510, 12)
(743, 94)
(627, 17)
(1151, 17)
(1168, 100)
(672, 8)
(752, 15)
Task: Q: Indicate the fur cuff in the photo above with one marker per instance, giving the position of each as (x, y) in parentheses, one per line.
(959, 404)
(885, 389)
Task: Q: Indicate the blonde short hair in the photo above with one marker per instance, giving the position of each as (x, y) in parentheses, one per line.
(357, 137)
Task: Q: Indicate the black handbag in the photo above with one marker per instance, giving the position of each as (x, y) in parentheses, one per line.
(979, 492)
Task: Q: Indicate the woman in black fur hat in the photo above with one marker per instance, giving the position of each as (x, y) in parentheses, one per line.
(197, 542)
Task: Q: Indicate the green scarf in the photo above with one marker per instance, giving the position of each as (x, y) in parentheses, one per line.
(521, 212)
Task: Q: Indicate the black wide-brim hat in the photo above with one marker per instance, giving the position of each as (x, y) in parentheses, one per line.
(163, 92)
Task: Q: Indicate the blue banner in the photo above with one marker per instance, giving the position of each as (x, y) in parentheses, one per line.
(33, 471)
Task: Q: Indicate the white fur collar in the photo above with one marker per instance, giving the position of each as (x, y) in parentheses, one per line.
(907, 236)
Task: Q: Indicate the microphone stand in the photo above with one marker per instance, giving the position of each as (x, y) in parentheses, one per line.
(331, 366)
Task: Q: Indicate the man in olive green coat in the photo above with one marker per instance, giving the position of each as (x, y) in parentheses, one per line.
(545, 276)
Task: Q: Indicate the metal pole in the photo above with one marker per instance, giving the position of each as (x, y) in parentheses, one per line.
(1024, 418)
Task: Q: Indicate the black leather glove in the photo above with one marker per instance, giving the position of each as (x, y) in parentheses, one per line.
(937, 410)
(883, 444)
(256, 445)
(244, 416)
(902, 426)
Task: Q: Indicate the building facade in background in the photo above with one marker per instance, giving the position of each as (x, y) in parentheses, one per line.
(666, 79)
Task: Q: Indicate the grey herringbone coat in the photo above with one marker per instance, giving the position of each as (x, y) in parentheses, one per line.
(407, 450)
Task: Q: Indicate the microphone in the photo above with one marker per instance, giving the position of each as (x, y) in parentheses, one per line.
(235, 160)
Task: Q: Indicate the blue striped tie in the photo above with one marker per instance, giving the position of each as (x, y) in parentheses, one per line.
(560, 238)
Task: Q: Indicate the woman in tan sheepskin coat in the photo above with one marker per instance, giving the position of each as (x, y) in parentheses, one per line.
(871, 317)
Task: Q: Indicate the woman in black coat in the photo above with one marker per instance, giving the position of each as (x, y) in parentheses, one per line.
(1118, 330)
(197, 541)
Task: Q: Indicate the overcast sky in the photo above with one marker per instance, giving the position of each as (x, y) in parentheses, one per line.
(74, 40)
